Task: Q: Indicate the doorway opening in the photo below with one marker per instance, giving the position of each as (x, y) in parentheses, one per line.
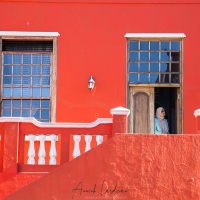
(167, 97)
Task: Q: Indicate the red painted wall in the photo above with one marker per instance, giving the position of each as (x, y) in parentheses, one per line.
(92, 42)
(128, 167)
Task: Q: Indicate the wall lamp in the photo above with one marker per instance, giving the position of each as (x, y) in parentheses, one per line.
(91, 83)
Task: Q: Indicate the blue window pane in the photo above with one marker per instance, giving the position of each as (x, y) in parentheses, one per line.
(35, 113)
(26, 103)
(154, 67)
(164, 56)
(45, 114)
(163, 67)
(7, 92)
(154, 45)
(45, 80)
(45, 59)
(45, 103)
(25, 113)
(35, 80)
(16, 103)
(133, 56)
(16, 113)
(35, 103)
(144, 67)
(17, 80)
(26, 70)
(7, 59)
(36, 70)
(6, 103)
(27, 58)
(17, 58)
(7, 70)
(6, 113)
(36, 92)
(144, 78)
(44, 120)
(36, 59)
(165, 46)
(144, 45)
(17, 70)
(133, 67)
(133, 78)
(134, 45)
(154, 56)
(175, 46)
(46, 70)
(26, 80)
(45, 92)
(153, 78)
(16, 92)
(144, 56)
(26, 92)
(7, 80)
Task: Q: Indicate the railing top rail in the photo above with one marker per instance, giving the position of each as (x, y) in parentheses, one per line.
(57, 124)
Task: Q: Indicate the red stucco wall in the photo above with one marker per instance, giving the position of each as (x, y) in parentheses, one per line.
(92, 42)
(128, 167)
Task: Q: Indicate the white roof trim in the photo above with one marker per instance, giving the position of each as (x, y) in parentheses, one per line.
(27, 34)
(155, 35)
(56, 124)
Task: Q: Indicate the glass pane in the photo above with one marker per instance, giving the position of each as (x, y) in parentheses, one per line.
(17, 58)
(26, 103)
(165, 46)
(45, 59)
(165, 56)
(175, 67)
(27, 58)
(175, 46)
(175, 56)
(144, 45)
(6, 103)
(36, 59)
(154, 45)
(175, 78)
(7, 80)
(154, 78)
(163, 67)
(144, 67)
(45, 103)
(17, 70)
(26, 70)
(26, 92)
(35, 80)
(6, 113)
(36, 70)
(154, 56)
(133, 56)
(133, 67)
(36, 92)
(164, 78)
(35, 103)
(16, 92)
(144, 78)
(7, 92)
(16, 113)
(35, 113)
(45, 92)
(26, 80)
(134, 45)
(44, 120)
(133, 78)
(25, 113)
(17, 80)
(7, 58)
(46, 70)
(7, 70)
(45, 114)
(16, 104)
(154, 67)
(45, 80)
(144, 56)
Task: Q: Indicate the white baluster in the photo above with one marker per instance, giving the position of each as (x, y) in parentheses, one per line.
(31, 150)
(88, 139)
(52, 152)
(99, 139)
(76, 151)
(42, 151)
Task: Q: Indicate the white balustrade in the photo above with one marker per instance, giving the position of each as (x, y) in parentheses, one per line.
(52, 152)
(76, 151)
(88, 139)
(99, 139)
(31, 150)
(42, 152)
